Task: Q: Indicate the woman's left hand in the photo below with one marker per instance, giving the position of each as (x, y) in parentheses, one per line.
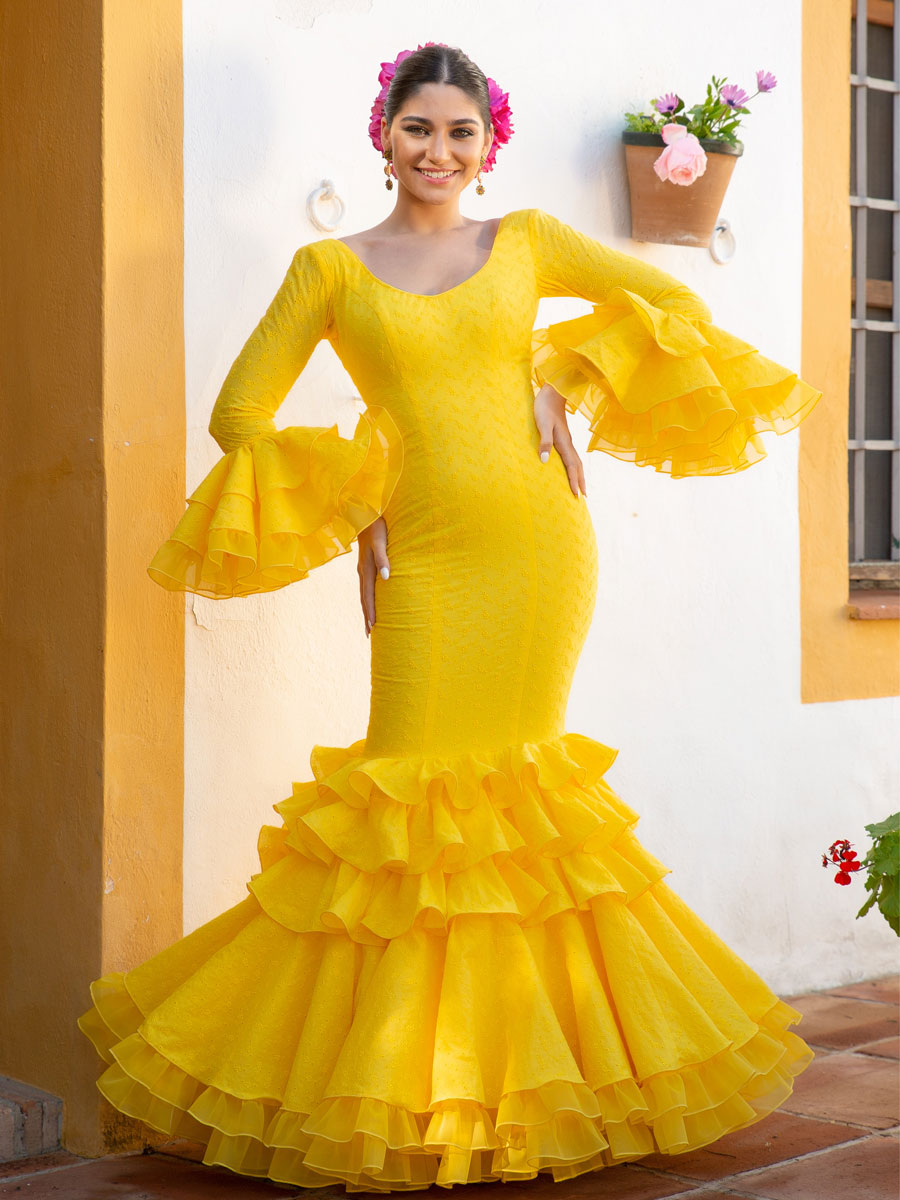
(550, 418)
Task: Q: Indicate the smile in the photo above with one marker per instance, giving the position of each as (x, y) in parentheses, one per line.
(436, 176)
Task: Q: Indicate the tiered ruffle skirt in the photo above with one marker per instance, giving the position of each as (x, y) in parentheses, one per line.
(447, 971)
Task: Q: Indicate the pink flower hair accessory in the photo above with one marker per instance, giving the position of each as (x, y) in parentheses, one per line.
(501, 114)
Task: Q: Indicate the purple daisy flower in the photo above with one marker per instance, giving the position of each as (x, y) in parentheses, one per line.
(667, 103)
(734, 96)
(765, 81)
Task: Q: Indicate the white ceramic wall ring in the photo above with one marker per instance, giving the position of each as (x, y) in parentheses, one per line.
(324, 193)
(722, 227)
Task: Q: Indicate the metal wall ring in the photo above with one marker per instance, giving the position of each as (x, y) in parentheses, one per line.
(722, 227)
(327, 193)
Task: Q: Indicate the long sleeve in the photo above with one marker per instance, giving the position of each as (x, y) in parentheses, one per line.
(659, 383)
(275, 353)
(279, 502)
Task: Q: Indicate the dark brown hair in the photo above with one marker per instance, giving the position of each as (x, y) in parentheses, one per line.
(438, 64)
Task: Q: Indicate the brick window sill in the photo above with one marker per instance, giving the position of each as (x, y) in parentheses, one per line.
(873, 604)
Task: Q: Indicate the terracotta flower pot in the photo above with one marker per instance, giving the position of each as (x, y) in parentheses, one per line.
(684, 215)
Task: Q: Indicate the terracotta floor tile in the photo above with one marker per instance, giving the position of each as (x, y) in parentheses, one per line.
(886, 1048)
(624, 1182)
(780, 1136)
(40, 1162)
(865, 1170)
(182, 1148)
(886, 988)
(145, 1177)
(716, 1194)
(842, 1022)
(855, 1088)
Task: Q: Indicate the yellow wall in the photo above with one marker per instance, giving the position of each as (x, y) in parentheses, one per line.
(842, 659)
(92, 370)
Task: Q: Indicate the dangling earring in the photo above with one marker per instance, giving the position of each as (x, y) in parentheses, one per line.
(388, 183)
(480, 188)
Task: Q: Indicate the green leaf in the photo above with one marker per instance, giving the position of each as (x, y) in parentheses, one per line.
(865, 908)
(884, 860)
(889, 898)
(890, 824)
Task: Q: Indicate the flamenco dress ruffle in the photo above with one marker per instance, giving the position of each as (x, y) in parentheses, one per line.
(447, 971)
(668, 389)
(280, 505)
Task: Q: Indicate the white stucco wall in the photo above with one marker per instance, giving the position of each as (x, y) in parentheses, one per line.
(692, 667)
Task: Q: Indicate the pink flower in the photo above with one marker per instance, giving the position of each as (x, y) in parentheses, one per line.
(734, 96)
(765, 81)
(683, 159)
(385, 75)
(667, 103)
(501, 119)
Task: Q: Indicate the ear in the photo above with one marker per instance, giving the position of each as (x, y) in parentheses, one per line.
(488, 141)
(384, 138)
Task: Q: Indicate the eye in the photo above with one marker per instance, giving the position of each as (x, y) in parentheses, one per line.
(467, 133)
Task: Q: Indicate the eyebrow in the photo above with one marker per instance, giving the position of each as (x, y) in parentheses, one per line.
(458, 121)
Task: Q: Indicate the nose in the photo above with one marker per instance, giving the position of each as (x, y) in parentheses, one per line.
(438, 145)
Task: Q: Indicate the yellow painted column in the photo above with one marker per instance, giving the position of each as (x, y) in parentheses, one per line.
(842, 659)
(92, 454)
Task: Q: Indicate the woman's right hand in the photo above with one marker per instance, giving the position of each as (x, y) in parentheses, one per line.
(372, 557)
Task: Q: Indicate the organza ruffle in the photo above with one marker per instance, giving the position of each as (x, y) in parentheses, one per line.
(667, 389)
(447, 971)
(562, 1128)
(376, 846)
(279, 505)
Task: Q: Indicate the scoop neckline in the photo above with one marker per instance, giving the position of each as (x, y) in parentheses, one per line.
(430, 295)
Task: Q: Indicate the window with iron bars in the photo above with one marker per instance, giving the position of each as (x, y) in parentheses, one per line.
(874, 433)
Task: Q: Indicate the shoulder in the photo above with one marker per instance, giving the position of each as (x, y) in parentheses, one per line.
(314, 253)
(535, 221)
(314, 262)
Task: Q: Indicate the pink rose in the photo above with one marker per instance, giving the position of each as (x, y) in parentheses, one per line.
(683, 158)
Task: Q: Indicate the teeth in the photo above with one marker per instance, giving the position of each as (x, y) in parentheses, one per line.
(436, 174)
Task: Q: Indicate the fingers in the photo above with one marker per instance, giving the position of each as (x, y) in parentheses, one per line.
(545, 426)
(379, 549)
(373, 558)
(555, 432)
(366, 571)
(572, 463)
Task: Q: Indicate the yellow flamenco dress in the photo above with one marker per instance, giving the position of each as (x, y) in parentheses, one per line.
(457, 962)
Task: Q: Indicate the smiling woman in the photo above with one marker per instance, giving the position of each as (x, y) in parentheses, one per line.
(457, 962)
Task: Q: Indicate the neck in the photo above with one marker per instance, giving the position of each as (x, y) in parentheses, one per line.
(412, 215)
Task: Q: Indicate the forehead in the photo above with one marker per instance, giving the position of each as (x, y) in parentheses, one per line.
(440, 101)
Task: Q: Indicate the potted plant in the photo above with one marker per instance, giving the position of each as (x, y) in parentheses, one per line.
(679, 161)
(882, 866)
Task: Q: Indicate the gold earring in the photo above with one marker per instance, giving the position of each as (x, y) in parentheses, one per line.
(480, 188)
(388, 183)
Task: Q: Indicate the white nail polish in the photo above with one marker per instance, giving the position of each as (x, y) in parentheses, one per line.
(385, 572)
(545, 455)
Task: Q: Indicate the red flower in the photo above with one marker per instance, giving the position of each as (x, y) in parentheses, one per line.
(839, 852)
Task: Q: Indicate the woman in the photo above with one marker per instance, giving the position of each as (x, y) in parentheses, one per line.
(457, 962)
